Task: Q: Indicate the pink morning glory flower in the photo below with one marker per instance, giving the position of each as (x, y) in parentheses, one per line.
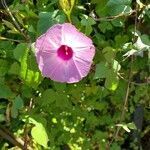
(64, 54)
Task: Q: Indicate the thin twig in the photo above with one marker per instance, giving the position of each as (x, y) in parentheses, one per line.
(27, 128)
(25, 146)
(6, 135)
(8, 39)
(135, 83)
(14, 20)
(110, 18)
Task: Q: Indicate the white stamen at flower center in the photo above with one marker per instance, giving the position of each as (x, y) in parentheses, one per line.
(66, 50)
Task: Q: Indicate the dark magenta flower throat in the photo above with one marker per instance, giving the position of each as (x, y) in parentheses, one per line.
(65, 52)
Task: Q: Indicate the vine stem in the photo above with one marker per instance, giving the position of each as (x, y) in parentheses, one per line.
(115, 135)
(27, 128)
(134, 83)
(69, 18)
(110, 18)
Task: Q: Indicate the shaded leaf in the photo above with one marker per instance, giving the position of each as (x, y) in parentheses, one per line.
(119, 6)
(14, 69)
(5, 92)
(16, 106)
(4, 66)
(20, 51)
(9, 24)
(48, 96)
(101, 70)
(109, 54)
(105, 26)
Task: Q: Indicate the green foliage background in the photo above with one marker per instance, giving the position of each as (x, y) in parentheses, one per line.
(109, 109)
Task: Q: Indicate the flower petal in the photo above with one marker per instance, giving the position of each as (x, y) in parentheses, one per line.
(86, 53)
(51, 40)
(66, 72)
(73, 38)
(47, 63)
(82, 66)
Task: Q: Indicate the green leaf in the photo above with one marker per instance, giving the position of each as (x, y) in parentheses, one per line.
(60, 18)
(26, 91)
(105, 26)
(38, 132)
(24, 66)
(145, 39)
(16, 106)
(48, 97)
(88, 30)
(59, 86)
(121, 40)
(87, 22)
(101, 7)
(19, 18)
(131, 126)
(119, 2)
(6, 49)
(2, 117)
(118, 22)
(62, 100)
(101, 70)
(18, 102)
(109, 54)
(124, 126)
(14, 69)
(112, 8)
(4, 66)
(115, 146)
(116, 66)
(102, 3)
(29, 71)
(46, 20)
(20, 51)
(5, 92)
(100, 135)
(119, 6)
(9, 24)
(112, 81)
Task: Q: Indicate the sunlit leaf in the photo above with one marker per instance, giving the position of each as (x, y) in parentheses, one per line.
(131, 126)
(39, 133)
(112, 81)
